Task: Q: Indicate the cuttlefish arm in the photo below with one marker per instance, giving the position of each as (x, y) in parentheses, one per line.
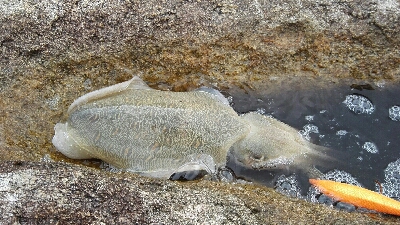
(274, 145)
(358, 196)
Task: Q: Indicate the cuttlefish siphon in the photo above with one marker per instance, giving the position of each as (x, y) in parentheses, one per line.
(159, 133)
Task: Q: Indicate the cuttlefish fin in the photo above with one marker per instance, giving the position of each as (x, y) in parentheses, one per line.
(214, 93)
(358, 196)
(135, 83)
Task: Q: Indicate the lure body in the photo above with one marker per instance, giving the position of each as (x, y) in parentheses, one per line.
(358, 196)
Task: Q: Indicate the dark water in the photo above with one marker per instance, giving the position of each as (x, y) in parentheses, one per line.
(292, 105)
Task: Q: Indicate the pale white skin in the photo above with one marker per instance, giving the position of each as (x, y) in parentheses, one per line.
(158, 133)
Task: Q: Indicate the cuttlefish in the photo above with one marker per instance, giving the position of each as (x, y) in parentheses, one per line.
(160, 133)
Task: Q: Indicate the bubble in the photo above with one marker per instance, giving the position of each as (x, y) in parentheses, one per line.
(230, 99)
(394, 113)
(380, 84)
(341, 132)
(309, 118)
(341, 176)
(391, 186)
(288, 186)
(261, 111)
(270, 101)
(359, 104)
(370, 147)
(307, 129)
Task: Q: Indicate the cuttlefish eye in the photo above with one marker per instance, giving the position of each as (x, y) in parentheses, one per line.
(257, 157)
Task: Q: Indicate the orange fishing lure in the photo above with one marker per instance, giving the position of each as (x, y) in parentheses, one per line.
(358, 196)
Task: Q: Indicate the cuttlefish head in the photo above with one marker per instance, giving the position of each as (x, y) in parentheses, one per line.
(270, 144)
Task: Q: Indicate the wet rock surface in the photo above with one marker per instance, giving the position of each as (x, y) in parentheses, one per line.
(61, 193)
(55, 51)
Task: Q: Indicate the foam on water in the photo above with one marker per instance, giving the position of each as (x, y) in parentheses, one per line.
(391, 186)
(370, 147)
(394, 113)
(359, 104)
(307, 130)
(341, 176)
(260, 111)
(288, 185)
(309, 118)
(341, 132)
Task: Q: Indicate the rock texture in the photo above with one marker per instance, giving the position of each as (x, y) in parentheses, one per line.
(54, 51)
(224, 41)
(59, 193)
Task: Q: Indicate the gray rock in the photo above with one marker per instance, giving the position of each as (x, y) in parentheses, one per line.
(61, 193)
(241, 40)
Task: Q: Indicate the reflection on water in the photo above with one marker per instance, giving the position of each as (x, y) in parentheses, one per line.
(360, 125)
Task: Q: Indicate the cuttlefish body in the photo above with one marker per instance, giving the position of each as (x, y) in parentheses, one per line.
(158, 133)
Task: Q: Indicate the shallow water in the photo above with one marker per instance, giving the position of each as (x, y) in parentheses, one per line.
(350, 135)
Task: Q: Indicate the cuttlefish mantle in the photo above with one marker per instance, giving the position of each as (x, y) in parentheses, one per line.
(159, 133)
